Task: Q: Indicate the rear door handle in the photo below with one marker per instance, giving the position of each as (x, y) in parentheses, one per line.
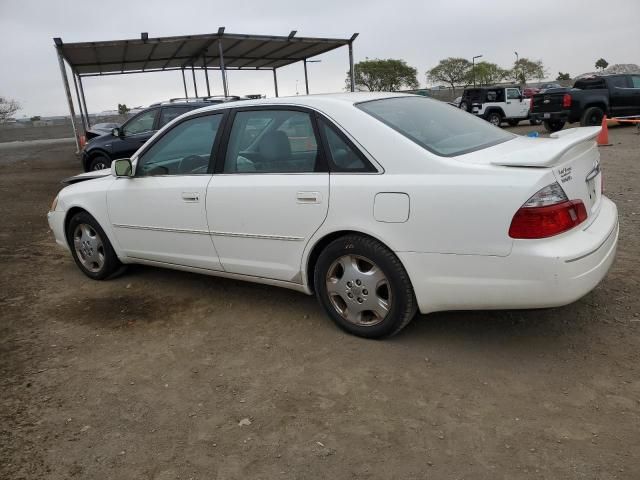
(308, 197)
(191, 196)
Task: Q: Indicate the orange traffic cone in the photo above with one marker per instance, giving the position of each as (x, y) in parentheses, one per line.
(603, 136)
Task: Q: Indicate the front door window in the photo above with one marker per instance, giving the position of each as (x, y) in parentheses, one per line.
(140, 124)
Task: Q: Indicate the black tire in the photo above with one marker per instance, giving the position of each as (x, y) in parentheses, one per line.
(553, 125)
(464, 106)
(402, 304)
(494, 118)
(513, 122)
(592, 117)
(99, 162)
(107, 263)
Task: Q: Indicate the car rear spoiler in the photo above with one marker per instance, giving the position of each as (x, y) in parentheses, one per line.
(548, 153)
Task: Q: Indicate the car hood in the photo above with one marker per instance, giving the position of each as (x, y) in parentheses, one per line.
(532, 151)
(87, 176)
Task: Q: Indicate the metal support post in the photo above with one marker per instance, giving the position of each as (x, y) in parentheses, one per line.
(84, 102)
(75, 84)
(195, 86)
(306, 77)
(225, 87)
(206, 74)
(275, 81)
(352, 74)
(65, 81)
(184, 84)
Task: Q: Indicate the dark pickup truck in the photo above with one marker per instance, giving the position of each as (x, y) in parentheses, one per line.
(588, 101)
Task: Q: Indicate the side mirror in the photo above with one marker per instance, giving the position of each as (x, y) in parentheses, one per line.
(116, 132)
(121, 167)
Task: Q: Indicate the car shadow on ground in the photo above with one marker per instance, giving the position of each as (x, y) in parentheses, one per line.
(183, 292)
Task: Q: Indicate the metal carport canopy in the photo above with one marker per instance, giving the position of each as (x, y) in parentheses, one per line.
(217, 51)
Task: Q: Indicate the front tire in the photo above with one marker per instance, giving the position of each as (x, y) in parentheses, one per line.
(592, 117)
(363, 287)
(90, 247)
(99, 162)
(553, 125)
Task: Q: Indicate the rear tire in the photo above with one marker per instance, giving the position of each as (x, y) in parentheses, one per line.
(592, 117)
(99, 162)
(363, 287)
(553, 125)
(494, 118)
(90, 247)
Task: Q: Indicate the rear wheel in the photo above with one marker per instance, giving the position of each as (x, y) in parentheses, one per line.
(91, 248)
(99, 162)
(494, 118)
(592, 117)
(363, 287)
(464, 106)
(553, 125)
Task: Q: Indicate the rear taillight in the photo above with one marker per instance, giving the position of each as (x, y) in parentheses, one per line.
(566, 100)
(547, 213)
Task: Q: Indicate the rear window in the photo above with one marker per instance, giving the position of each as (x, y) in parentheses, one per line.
(436, 126)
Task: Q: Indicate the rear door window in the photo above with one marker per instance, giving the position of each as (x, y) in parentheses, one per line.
(169, 113)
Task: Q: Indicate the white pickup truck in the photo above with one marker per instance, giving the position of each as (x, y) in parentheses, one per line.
(497, 104)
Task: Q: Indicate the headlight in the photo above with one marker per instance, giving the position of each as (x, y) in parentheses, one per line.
(54, 204)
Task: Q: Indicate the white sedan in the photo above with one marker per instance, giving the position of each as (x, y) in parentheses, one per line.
(381, 204)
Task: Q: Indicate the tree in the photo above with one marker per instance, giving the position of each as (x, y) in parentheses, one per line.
(563, 76)
(7, 108)
(525, 69)
(602, 64)
(486, 73)
(453, 71)
(123, 109)
(387, 75)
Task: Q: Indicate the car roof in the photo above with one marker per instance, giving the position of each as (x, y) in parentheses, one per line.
(318, 101)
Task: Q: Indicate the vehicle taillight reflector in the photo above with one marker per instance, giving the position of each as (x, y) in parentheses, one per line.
(566, 100)
(543, 222)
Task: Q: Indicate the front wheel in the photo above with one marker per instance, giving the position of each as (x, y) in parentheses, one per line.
(99, 162)
(91, 248)
(364, 288)
(553, 125)
(494, 118)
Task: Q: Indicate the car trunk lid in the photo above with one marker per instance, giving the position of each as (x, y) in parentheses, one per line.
(572, 155)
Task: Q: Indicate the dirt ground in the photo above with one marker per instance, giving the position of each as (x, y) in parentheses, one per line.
(161, 374)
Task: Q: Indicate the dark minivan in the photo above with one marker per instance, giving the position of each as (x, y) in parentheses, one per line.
(123, 141)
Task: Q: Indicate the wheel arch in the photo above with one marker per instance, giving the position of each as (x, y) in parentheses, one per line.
(596, 103)
(497, 110)
(93, 154)
(77, 209)
(321, 243)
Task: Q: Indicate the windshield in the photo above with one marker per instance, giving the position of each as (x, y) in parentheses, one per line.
(436, 126)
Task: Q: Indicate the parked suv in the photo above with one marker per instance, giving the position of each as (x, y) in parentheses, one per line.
(496, 104)
(589, 100)
(123, 141)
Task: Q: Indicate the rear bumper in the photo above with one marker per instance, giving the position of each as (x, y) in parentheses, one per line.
(558, 116)
(537, 274)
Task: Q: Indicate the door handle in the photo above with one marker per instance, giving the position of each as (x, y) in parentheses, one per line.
(191, 196)
(308, 197)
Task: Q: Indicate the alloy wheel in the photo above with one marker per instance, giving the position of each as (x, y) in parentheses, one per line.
(359, 290)
(89, 247)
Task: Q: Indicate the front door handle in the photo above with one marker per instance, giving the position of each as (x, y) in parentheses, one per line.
(191, 196)
(308, 197)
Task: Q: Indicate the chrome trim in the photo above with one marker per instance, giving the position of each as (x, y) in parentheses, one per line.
(257, 236)
(614, 229)
(162, 229)
(214, 233)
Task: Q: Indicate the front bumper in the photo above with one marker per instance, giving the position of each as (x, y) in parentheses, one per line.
(537, 274)
(56, 224)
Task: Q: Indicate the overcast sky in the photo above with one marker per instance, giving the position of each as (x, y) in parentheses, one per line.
(567, 35)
